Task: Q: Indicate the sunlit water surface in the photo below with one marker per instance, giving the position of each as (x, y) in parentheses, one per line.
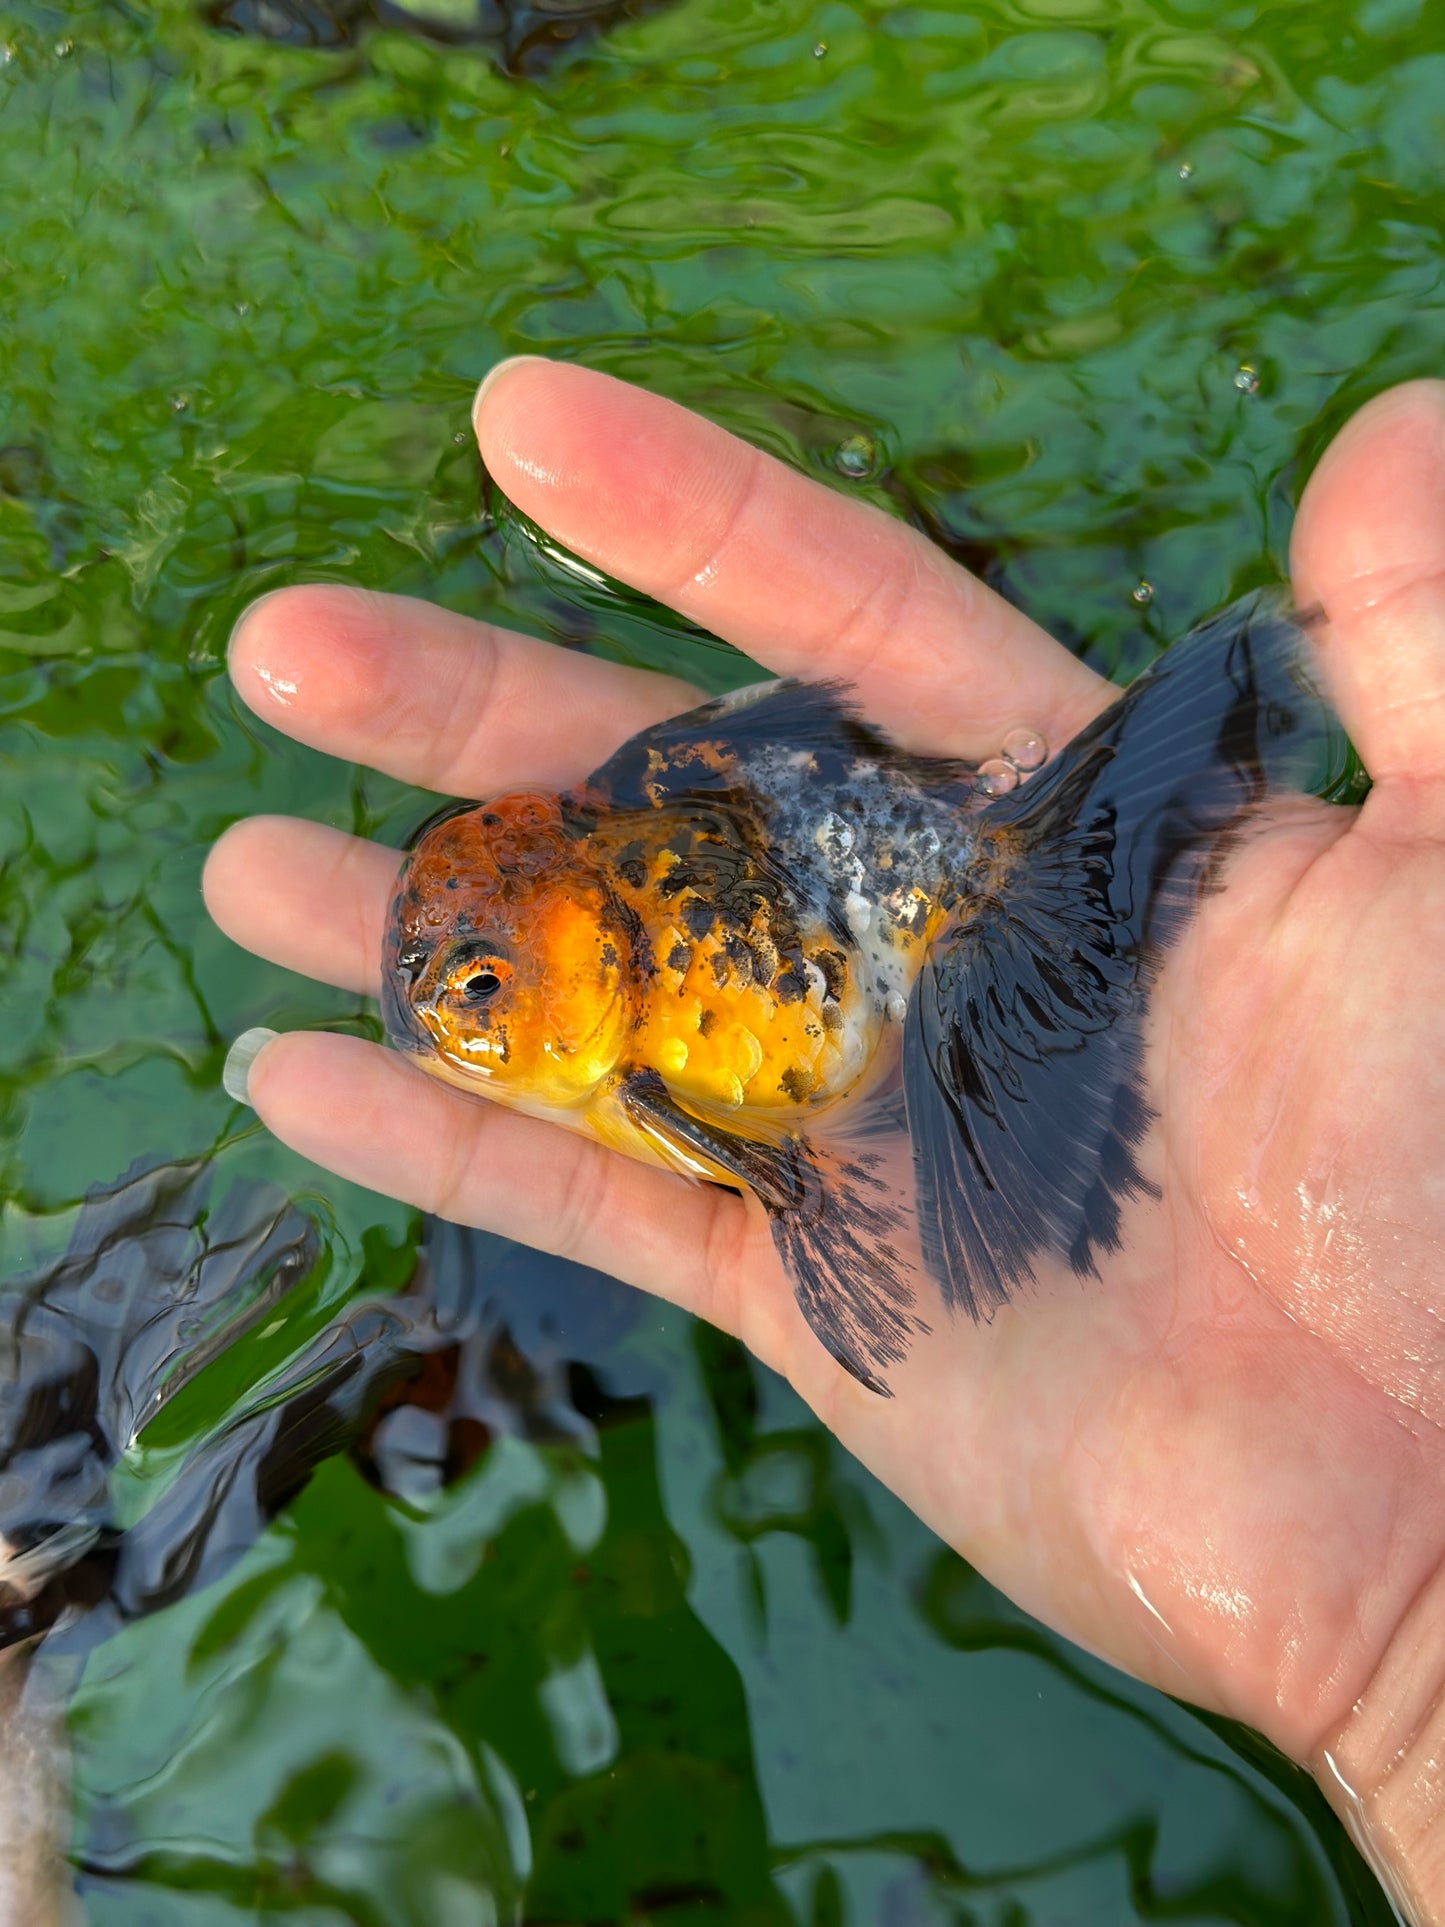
(1081, 289)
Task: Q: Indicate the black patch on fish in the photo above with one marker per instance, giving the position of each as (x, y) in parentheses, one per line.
(696, 917)
(728, 878)
(679, 957)
(834, 968)
(797, 1083)
(835, 1226)
(789, 987)
(1024, 1042)
(740, 956)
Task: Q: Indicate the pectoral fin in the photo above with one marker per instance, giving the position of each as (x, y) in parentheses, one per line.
(836, 1223)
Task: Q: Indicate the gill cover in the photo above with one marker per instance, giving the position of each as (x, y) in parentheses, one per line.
(506, 958)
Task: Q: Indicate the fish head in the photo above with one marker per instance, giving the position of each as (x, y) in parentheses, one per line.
(505, 961)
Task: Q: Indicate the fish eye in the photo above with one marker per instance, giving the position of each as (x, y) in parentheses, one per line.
(477, 977)
(481, 986)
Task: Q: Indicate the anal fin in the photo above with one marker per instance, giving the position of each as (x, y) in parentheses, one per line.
(836, 1222)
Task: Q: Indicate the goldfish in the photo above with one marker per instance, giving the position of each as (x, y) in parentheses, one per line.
(763, 943)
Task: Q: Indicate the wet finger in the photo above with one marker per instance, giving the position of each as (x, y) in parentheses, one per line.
(305, 896)
(369, 1115)
(434, 698)
(1369, 551)
(794, 573)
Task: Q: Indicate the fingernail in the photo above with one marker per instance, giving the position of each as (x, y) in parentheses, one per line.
(491, 375)
(236, 1071)
(245, 616)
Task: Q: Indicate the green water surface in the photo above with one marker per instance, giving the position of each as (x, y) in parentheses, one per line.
(1080, 288)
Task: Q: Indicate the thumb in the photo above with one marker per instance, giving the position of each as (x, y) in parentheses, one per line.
(1369, 551)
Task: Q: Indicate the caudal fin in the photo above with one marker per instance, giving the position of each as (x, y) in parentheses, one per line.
(1024, 1036)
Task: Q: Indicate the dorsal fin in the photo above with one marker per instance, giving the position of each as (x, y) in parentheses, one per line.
(701, 754)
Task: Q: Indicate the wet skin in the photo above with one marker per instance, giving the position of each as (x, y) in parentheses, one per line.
(1222, 1465)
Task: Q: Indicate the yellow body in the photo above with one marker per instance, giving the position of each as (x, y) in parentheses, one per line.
(731, 1046)
(558, 971)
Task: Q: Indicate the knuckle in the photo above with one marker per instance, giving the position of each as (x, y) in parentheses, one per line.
(702, 562)
(583, 1201)
(462, 701)
(455, 1181)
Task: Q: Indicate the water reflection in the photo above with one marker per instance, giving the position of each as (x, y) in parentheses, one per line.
(154, 1285)
(526, 36)
(150, 1289)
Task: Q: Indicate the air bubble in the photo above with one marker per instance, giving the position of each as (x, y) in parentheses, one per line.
(1142, 592)
(180, 403)
(461, 438)
(820, 47)
(1186, 170)
(1025, 750)
(1246, 379)
(64, 49)
(996, 777)
(858, 457)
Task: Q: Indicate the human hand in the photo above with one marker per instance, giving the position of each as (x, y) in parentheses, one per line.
(1222, 1464)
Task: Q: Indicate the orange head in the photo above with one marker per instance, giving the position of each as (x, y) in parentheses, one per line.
(505, 960)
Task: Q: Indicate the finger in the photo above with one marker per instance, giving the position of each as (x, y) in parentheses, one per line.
(800, 577)
(434, 698)
(310, 898)
(1369, 550)
(368, 1115)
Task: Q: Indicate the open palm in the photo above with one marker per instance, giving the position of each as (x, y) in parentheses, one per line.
(1222, 1464)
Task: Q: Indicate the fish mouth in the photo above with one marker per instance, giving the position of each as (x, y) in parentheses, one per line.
(434, 1040)
(471, 1060)
(417, 1027)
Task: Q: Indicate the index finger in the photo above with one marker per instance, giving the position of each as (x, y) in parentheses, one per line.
(793, 573)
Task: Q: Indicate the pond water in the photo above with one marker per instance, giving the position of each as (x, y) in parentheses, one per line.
(1080, 288)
